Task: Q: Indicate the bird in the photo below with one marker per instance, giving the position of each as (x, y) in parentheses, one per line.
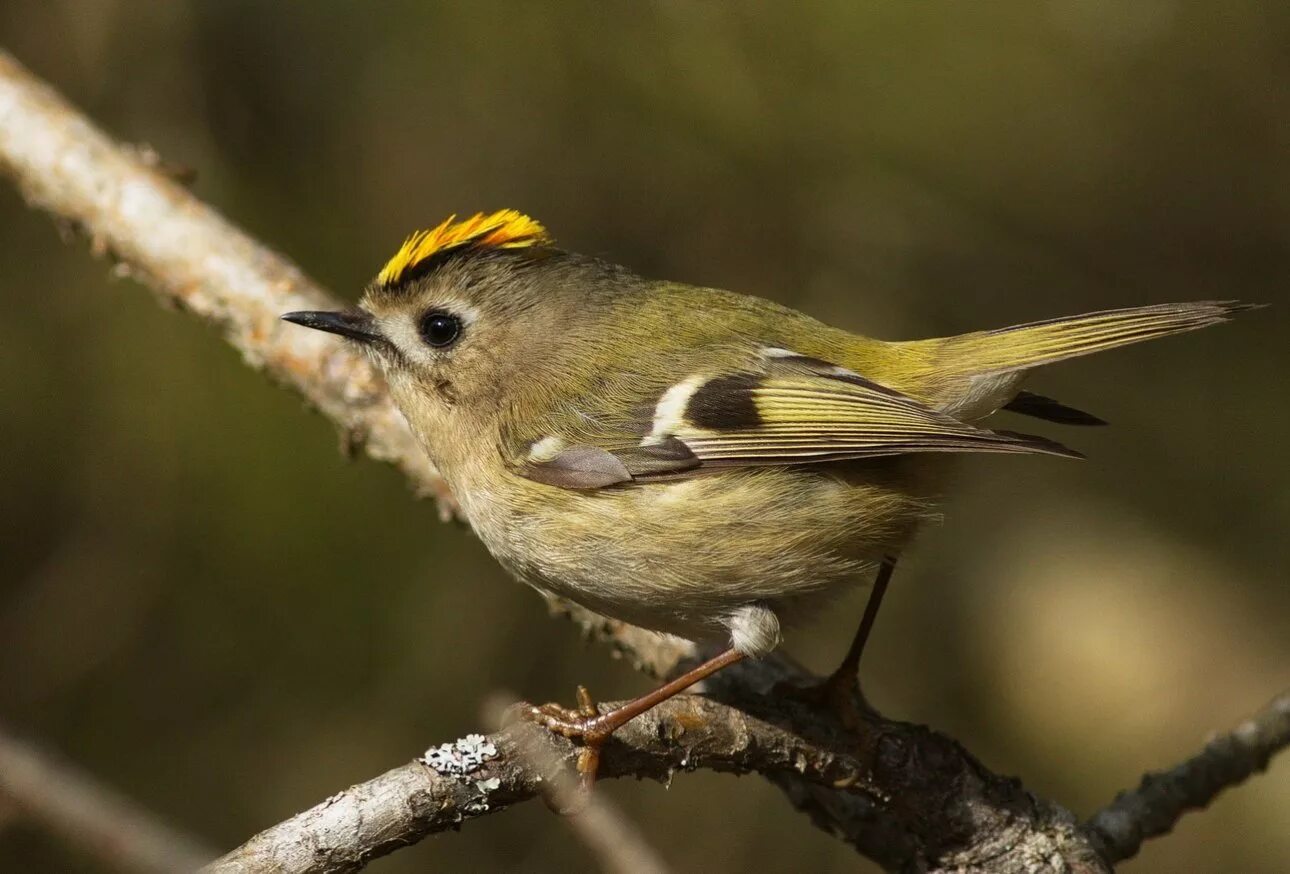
(693, 461)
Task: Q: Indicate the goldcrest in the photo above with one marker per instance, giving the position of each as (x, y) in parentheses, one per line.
(689, 460)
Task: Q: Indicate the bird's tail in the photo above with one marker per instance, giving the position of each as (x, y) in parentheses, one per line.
(973, 375)
(1022, 347)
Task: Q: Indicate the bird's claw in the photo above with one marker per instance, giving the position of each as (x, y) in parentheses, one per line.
(570, 722)
(839, 693)
(583, 723)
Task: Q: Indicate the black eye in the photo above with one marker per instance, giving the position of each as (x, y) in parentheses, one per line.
(440, 329)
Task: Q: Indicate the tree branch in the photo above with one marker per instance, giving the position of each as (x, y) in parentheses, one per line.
(1154, 808)
(903, 772)
(906, 796)
(194, 259)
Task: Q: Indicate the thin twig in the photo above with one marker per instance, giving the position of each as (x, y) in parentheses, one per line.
(599, 825)
(74, 806)
(1161, 799)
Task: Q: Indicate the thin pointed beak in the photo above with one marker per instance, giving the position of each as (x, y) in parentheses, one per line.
(354, 324)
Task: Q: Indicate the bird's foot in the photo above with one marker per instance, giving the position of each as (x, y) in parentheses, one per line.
(587, 724)
(570, 722)
(584, 723)
(840, 694)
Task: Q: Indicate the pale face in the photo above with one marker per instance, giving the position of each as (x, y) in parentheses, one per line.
(425, 332)
(435, 354)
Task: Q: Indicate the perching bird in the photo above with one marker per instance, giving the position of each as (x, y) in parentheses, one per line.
(690, 460)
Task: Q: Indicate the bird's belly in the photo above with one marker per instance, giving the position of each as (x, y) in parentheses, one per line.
(680, 556)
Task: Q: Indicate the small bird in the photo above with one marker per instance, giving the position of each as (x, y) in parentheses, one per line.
(690, 460)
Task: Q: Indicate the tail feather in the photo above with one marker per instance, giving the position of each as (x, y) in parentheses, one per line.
(1025, 346)
(1040, 407)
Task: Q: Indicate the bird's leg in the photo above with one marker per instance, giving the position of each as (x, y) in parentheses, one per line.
(841, 690)
(594, 728)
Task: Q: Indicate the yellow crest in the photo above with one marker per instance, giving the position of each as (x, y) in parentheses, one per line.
(504, 229)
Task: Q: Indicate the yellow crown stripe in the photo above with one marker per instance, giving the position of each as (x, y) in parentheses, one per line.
(504, 229)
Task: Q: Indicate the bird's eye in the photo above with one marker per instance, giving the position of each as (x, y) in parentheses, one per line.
(440, 329)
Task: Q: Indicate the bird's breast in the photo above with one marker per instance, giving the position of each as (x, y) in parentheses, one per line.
(674, 556)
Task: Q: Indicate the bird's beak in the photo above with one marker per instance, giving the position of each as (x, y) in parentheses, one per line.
(354, 324)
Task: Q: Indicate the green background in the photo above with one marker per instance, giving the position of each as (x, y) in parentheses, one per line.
(203, 604)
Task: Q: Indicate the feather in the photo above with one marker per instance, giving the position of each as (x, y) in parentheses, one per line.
(504, 229)
(802, 410)
(797, 410)
(1024, 346)
(579, 467)
(1040, 407)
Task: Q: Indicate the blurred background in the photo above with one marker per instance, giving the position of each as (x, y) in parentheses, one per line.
(203, 604)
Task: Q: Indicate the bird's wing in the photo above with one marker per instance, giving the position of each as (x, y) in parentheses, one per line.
(787, 409)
